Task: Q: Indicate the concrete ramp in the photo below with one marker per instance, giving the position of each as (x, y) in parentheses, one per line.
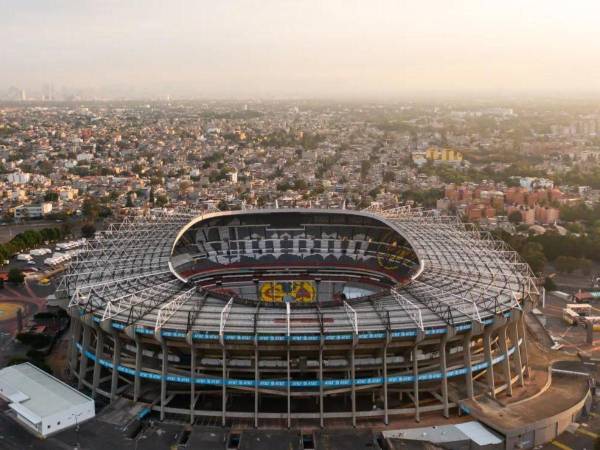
(533, 422)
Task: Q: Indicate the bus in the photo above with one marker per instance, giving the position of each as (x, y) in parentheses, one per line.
(594, 321)
(583, 309)
(570, 316)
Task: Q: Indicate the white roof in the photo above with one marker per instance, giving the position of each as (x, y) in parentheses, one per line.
(473, 431)
(36, 393)
(23, 411)
(478, 433)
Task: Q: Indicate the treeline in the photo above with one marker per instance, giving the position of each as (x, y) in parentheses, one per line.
(582, 213)
(232, 115)
(584, 246)
(30, 239)
(582, 177)
(568, 253)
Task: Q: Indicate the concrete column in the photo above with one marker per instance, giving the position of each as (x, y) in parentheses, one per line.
(289, 390)
(192, 382)
(115, 372)
(224, 388)
(513, 330)
(84, 359)
(506, 362)
(385, 382)
(416, 383)
(468, 364)
(256, 379)
(321, 396)
(75, 338)
(353, 393)
(524, 354)
(444, 373)
(139, 351)
(489, 373)
(97, 366)
(163, 378)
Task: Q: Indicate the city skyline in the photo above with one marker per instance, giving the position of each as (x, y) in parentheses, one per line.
(300, 49)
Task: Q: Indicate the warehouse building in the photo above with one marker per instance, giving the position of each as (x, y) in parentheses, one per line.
(41, 403)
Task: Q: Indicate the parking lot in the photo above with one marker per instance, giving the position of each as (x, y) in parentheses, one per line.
(572, 338)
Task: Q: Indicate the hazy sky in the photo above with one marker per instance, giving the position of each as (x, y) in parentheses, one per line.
(306, 48)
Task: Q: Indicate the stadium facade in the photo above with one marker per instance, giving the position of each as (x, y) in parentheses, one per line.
(291, 315)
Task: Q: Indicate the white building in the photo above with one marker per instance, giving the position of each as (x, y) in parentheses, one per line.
(531, 183)
(85, 157)
(419, 158)
(42, 403)
(232, 176)
(33, 211)
(18, 178)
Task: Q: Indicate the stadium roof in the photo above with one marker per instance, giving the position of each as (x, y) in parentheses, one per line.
(465, 276)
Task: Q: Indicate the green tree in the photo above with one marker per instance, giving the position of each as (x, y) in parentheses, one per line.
(15, 275)
(365, 166)
(51, 196)
(533, 254)
(90, 208)
(129, 201)
(566, 264)
(549, 284)
(88, 230)
(585, 265)
(151, 198)
(161, 200)
(515, 217)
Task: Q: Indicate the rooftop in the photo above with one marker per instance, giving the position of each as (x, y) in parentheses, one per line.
(37, 392)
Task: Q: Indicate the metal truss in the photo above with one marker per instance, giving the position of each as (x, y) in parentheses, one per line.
(352, 316)
(464, 305)
(167, 310)
(411, 309)
(224, 316)
(127, 302)
(464, 275)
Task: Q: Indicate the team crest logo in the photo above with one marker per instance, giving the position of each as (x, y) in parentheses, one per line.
(302, 291)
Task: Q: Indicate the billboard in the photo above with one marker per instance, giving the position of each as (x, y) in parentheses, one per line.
(302, 291)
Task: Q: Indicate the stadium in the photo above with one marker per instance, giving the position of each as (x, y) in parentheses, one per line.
(297, 316)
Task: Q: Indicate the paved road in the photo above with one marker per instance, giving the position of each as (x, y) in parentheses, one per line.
(93, 435)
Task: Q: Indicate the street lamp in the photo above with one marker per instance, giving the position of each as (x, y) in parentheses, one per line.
(76, 416)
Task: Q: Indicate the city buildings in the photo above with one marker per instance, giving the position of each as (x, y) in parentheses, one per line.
(33, 211)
